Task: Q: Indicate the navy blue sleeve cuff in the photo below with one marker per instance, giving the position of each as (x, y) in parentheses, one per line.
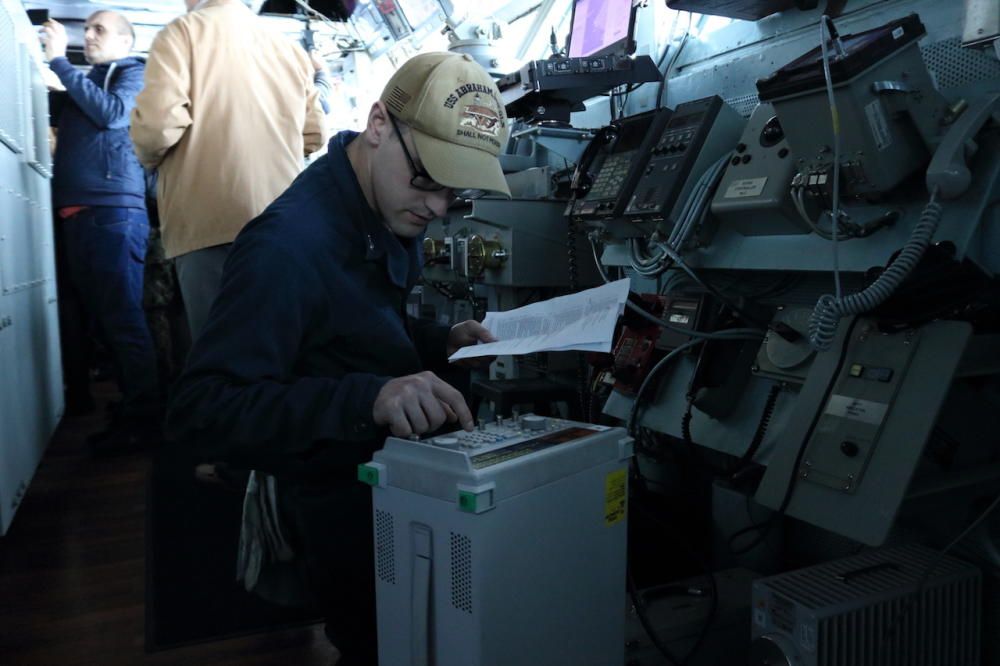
(355, 421)
(62, 67)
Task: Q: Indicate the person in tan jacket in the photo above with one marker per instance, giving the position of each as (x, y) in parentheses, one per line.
(228, 111)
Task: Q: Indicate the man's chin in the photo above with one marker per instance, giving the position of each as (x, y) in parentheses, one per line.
(407, 229)
(412, 230)
(99, 57)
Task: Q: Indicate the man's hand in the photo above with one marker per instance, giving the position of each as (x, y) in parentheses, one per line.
(55, 40)
(417, 404)
(467, 333)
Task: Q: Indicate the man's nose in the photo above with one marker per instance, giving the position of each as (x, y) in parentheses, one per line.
(438, 201)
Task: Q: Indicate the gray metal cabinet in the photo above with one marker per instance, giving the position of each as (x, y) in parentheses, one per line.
(31, 397)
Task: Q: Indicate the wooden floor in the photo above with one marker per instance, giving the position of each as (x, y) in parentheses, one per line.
(72, 572)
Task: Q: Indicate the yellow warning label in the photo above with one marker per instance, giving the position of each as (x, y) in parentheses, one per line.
(614, 497)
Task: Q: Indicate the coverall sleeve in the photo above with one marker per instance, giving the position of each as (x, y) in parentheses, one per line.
(241, 396)
(107, 109)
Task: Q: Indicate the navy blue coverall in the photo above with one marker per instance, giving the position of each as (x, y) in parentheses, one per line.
(309, 324)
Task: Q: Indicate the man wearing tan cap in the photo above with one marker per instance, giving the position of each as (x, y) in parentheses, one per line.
(308, 361)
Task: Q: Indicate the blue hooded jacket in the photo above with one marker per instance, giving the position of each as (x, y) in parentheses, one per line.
(95, 164)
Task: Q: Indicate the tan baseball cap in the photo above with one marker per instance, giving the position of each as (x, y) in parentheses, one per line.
(459, 124)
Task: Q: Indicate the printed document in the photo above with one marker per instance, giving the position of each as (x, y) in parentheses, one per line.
(584, 321)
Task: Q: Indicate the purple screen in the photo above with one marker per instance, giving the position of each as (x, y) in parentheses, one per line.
(598, 24)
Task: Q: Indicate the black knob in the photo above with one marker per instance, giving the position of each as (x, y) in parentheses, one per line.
(772, 133)
(849, 449)
(740, 147)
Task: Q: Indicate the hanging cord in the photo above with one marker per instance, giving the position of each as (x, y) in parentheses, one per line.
(765, 421)
(830, 309)
(746, 460)
(686, 422)
(642, 612)
(826, 28)
(592, 238)
(673, 60)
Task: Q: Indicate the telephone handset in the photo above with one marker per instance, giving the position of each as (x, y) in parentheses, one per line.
(583, 179)
(948, 172)
(948, 177)
(612, 164)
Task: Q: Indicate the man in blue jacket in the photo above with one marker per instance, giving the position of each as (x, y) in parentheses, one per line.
(308, 359)
(98, 191)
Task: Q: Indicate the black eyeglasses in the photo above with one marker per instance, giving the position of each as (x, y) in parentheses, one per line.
(422, 180)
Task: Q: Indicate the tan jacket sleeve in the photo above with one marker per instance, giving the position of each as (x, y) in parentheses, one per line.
(162, 110)
(314, 129)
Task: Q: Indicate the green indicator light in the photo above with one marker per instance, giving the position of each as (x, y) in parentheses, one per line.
(368, 475)
(467, 501)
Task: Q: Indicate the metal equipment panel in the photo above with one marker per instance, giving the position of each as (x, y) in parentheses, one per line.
(40, 156)
(502, 546)
(903, 605)
(31, 398)
(517, 243)
(27, 235)
(11, 111)
(863, 431)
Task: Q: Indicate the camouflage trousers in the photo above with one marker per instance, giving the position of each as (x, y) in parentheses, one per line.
(161, 301)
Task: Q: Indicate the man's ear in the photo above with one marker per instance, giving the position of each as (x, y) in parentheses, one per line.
(379, 127)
